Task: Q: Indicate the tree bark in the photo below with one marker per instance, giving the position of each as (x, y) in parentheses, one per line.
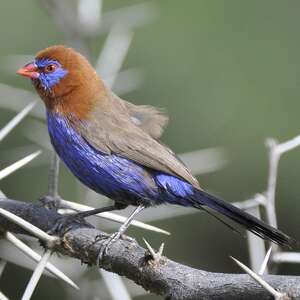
(126, 258)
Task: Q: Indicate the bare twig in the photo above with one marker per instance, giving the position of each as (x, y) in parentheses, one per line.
(286, 257)
(169, 279)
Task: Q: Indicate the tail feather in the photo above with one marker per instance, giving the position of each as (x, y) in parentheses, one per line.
(202, 199)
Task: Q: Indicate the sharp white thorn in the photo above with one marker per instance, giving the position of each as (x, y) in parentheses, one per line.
(161, 249)
(17, 165)
(258, 279)
(36, 257)
(151, 250)
(2, 296)
(2, 266)
(16, 120)
(265, 262)
(36, 276)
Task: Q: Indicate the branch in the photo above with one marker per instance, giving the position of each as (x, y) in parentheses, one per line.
(167, 278)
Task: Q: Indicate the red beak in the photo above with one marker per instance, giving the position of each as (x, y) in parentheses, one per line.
(30, 70)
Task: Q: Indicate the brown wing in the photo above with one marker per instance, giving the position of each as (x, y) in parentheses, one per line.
(111, 131)
(151, 119)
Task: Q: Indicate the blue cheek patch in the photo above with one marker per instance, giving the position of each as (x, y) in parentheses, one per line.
(48, 80)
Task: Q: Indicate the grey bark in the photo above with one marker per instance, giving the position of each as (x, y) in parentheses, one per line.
(126, 258)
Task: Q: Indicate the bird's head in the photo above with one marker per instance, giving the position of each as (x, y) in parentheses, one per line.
(64, 79)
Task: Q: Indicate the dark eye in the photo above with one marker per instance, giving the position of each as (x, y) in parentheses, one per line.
(50, 68)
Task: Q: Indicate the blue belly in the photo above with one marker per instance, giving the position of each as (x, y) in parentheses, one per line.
(111, 175)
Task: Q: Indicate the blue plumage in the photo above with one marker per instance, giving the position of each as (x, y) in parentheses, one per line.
(111, 175)
(97, 136)
(127, 182)
(50, 79)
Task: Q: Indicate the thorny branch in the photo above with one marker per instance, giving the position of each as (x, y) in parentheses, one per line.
(166, 277)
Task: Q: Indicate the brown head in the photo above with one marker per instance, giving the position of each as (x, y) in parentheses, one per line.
(65, 81)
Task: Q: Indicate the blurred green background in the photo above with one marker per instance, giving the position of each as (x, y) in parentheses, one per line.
(228, 73)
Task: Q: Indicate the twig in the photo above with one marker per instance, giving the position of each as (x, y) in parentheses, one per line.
(169, 279)
(286, 257)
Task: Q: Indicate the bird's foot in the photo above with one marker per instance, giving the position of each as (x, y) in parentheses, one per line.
(51, 202)
(68, 222)
(109, 241)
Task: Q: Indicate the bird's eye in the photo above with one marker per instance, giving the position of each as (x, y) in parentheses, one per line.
(50, 68)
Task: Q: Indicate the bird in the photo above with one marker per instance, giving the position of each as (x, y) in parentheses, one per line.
(113, 146)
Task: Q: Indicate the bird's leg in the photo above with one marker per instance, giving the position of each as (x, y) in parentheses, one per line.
(66, 221)
(115, 236)
(51, 202)
(88, 213)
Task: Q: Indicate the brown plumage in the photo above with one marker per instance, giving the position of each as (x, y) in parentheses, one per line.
(112, 145)
(71, 95)
(115, 126)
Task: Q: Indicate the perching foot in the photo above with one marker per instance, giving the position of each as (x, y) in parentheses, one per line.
(67, 222)
(51, 202)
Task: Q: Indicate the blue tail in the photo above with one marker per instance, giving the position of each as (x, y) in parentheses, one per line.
(201, 199)
(182, 193)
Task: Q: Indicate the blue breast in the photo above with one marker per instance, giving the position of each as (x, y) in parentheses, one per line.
(111, 175)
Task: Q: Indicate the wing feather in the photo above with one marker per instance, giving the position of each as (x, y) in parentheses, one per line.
(151, 119)
(110, 130)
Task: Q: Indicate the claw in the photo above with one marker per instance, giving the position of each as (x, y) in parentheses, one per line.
(115, 236)
(106, 244)
(51, 202)
(67, 222)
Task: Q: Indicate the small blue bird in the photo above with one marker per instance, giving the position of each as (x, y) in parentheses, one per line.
(112, 145)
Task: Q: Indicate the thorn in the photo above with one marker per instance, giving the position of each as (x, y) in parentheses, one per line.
(2, 296)
(36, 276)
(112, 217)
(16, 120)
(17, 165)
(151, 250)
(53, 176)
(36, 257)
(277, 295)
(161, 249)
(156, 256)
(265, 262)
(37, 232)
(2, 266)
